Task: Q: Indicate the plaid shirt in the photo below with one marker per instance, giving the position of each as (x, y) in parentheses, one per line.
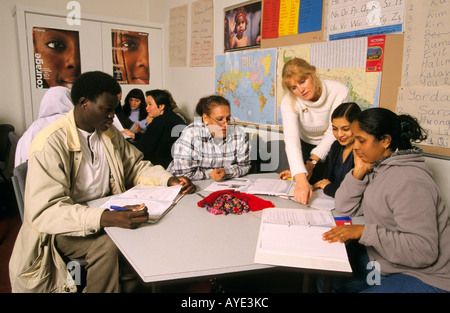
(196, 153)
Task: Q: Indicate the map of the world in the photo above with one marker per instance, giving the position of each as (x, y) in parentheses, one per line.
(248, 80)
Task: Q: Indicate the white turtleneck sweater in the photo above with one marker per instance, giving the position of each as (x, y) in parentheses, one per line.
(311, 122)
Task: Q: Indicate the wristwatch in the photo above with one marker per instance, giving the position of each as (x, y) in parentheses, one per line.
(314, 162)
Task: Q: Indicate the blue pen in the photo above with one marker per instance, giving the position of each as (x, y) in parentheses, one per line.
(117, 208)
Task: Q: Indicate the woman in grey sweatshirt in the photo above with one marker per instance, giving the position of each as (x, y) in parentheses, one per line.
(406, 236)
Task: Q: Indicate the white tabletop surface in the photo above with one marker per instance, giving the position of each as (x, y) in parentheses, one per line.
(191, 242)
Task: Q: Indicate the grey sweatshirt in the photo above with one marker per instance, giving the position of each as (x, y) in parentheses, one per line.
(407, 226)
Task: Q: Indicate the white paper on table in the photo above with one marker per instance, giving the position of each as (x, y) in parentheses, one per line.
(262, 186)
(154, 207)
(238, 184)
(156, 193)
(285, 240)
(320, 200)
(274, 187)
(157, 199)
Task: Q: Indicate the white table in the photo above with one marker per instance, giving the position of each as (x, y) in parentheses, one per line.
(191, 242)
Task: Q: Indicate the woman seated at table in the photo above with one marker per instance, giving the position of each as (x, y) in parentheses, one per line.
(406, 234)
(212, 146)
(133, 115)
(156, 143)
(340, 157)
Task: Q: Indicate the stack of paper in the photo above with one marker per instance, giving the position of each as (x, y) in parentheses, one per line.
(293, 237)
(261, 186)
(273, 187)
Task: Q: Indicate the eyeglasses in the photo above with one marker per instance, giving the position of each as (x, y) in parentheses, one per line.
(230, 121)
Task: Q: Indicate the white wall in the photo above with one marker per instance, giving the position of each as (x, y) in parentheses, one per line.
(187, 84)
(11, 107)
(441, 175)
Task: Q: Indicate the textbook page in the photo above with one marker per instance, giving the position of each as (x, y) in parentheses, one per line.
(157, 200)
(262, 186)
(237, 184)
(293, 237)
(275, 187)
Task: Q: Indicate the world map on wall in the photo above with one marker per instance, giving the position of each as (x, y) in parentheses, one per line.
(364, 86)
(248, 81)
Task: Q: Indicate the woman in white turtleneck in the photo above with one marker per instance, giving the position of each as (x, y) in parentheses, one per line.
(306, 113)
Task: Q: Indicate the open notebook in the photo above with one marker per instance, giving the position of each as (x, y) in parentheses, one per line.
(159, 200)
(273, 187)
(261, 186)
(293, 237)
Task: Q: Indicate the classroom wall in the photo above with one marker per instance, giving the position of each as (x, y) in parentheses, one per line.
(11, 109)
(187, 84)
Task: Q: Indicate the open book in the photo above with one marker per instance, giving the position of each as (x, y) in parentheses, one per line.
(261, 186)
(159, 200)
(293, 237)
(273, 187)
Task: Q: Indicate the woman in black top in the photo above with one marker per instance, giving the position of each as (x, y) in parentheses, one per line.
(340, 157)
(164, 129)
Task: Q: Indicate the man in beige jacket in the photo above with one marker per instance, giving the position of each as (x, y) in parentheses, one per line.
(78, 158)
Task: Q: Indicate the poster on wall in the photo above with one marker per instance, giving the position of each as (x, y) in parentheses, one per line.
(57, 59)
(242, 26)
(130, 57)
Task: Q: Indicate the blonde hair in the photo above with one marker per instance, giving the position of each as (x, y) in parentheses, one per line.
(298, 69)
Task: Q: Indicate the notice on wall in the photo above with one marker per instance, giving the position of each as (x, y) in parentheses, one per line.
(426, 67)
(426, 56)
(357, 18)
(178, 36)
(310, 16)
(289, 11)
(202, 33)
(375, 53)
(430, 105)
(130, 57)
(271, 17)
(56, 57)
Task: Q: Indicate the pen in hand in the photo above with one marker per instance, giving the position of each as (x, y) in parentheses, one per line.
(119, 208)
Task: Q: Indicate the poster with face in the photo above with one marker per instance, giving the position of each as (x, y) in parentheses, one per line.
(56, 57)
(130, 57)
(242, 27)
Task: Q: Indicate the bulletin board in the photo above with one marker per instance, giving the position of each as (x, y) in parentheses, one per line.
(94, 45)
(424, 92)
(416, 67)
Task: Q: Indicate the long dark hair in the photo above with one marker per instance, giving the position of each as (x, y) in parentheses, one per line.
(403, 129)
(161, 97)
(348, 110)
(138, 94)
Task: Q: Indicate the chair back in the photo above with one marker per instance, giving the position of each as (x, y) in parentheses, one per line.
(5, 147)
(18, 180)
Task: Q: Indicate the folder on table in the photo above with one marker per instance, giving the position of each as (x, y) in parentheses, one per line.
(293, 237)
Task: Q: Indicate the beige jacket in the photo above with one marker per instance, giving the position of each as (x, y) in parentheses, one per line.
(54, 160)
